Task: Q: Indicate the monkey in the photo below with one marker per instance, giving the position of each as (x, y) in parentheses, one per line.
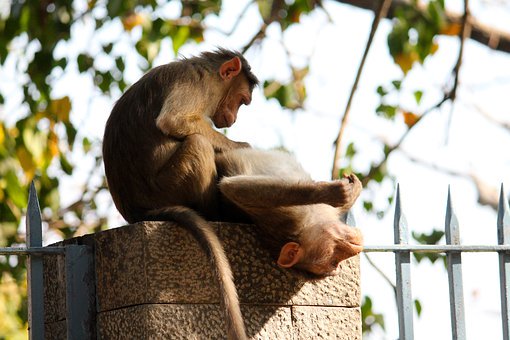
(298, 218)
(159, 150)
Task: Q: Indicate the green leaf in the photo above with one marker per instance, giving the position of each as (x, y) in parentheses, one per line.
(417, 96)
(180, 38)
(368, 206)
(369, 317)
(108, 48)
(350, 151)
(286, 94)
(85, 62)
(119, 62)
(433, 238)
(379, 176)
(15, 191)
(87, 145)
(417, 305)
(65, 165)
(388, 111)
(390, 199)
(381, 91)
(71, 133)
(397, 84)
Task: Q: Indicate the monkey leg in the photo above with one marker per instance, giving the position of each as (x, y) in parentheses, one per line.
(271, 192)
(189, 176)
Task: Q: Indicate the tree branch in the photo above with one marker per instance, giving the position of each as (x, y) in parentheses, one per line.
(464, 33)
(491, 37)
(379, 13)
(487, 194)
(450, 95)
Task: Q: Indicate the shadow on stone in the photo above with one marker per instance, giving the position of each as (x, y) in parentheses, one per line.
(154, 281)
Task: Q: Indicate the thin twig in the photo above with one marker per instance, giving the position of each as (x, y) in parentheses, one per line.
(385, 277)
(238, 20)
(463, 35)
(389, 149)
(450, 95)
(489, 117)
(380, 13)
(491, 37)
(260, 34)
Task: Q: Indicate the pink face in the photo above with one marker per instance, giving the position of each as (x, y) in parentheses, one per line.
(338, 243)
(238, 94)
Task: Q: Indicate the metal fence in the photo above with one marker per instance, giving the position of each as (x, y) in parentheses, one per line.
(453, 250)
(79, 266)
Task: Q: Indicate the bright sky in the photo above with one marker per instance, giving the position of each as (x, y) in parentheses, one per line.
(335, 49)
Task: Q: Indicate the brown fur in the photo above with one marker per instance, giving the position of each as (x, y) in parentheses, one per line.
(299, 219)
(159, 150)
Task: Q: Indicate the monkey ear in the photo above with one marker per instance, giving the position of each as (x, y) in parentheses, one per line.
(230, 68)
(290, 254)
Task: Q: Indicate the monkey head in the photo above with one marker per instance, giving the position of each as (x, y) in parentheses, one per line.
(237, 91)
(320, 253)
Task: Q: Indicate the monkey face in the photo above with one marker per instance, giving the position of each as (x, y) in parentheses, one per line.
(238, 93)
(321, 257)
(226, 113)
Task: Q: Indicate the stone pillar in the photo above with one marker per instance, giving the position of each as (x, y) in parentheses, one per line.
(153, 281)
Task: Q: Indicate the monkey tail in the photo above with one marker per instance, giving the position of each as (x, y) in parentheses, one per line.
(210, 242)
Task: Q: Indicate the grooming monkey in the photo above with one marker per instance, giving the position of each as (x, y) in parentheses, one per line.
(299, 219)
(159, 150)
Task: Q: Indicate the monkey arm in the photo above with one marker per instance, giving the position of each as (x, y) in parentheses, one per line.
(271, 192)
(180, 125)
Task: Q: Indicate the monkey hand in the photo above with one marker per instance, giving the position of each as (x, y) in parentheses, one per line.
(347, 191)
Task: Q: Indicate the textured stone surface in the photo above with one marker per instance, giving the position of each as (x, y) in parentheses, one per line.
(204, 321)
(259, 280)
(54, 288)
(326, 323)
(154, 281)
(164, 321)
(151, 263)
(55, 330)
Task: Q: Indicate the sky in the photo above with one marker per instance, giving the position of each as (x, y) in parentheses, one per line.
(471, 144)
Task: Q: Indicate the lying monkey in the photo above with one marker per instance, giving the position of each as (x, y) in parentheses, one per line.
(299, 219)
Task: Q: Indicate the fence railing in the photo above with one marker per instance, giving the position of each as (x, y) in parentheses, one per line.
(453, 250)
(79, 265)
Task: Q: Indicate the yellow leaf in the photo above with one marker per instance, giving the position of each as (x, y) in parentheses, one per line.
(91, 4)
(131, 20)
(272, 88)
(410, 118)
(26, 161)
(13, 132)
(53, 144)
(61, 107)
(2, 134)
(406, 61)
(300, 74)
(452, 29)
(434, 48)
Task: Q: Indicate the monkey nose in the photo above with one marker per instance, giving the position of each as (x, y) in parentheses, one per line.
(355, 237)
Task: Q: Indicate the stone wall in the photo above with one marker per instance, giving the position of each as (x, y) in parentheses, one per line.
(153, 281)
